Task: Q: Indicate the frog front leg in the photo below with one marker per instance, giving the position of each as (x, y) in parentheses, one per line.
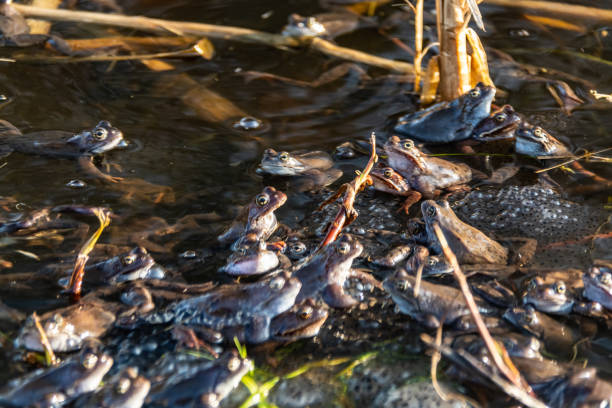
(87, 165)
(335, 296)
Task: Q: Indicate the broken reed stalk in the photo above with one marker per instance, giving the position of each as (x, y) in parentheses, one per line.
(463, 359)
(76, 279)
(50, 358)
(347, 213)
(570, 11)
(511, 372)
(41, 26)
(418, 44)
(229, 33)
(454, 64)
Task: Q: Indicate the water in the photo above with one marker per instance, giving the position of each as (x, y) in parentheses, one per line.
(210, 166)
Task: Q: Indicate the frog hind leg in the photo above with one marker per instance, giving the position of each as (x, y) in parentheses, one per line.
(335, 296)
(87, 165)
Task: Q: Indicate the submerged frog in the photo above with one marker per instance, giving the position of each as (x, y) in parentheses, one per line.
(500, 125)
(447, 122)
(327, 25)
(205, 385)
(323, 276)
(427, 175)
(126, 390)
(578, 388)
(136, 264)
(310, 170)
(434, 306)
(251, 258)
(57, 386)
(534, 141)
(550, 297)
(556, 336)
(257, 220)
(80, 146)
(598, 286)
(68, 328)
(470, 245)
(249, 307)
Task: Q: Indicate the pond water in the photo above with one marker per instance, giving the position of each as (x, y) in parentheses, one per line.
(210, 166)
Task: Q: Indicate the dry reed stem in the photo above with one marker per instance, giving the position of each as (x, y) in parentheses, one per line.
(50, 358)
(42, 26)
(214, 31)
(454, 65)
(510, 372)
(418, 44)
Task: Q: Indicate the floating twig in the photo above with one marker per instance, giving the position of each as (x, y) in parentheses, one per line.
(573, 159)
(50, 358)
(347, 213)
(570, 11)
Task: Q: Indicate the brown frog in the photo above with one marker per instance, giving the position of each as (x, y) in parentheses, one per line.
(470, 245)
(428, 175)
(384, 178)
(257, 218)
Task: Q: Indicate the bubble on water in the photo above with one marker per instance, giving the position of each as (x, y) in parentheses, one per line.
(248, 123)
(76, 184)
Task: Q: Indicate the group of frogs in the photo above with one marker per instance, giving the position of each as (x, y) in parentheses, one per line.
(287, 290)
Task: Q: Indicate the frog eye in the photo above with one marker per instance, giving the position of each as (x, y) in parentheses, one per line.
(305, 312)
(283, 156)
(401, 285)
(242, 251)
(343, 248)
(431, 261)
(475, 93)
(606, 278)
(297, 248)
(123, 385)
(431, 211)
(388, 173)
(128, 260)
(560, 287)
(408, 144)
(233, 364)
(262, 200)
(538, 131)
(100, 133)
(277, 283)
(89, 361)
(210, 400)
(500, 117)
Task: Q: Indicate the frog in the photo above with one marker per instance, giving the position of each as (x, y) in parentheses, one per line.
(470, 245)
(247, 306)
(384, 178)
(501, 124)
(204, 385)
(69, 328)
(449, 121)
(427, 175)
(435, 305)
(534, 141)
(82, 146)
(257, 218)
(598, 285)
(308, 170)
(303, 320)
(578, 388)
(251, 258)
(59, 385)
(430, 264)
(326, 25)
(516, 344)
(324, 274)
(556, 336)
(128, 389)
(136, 264)
(550, 297)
